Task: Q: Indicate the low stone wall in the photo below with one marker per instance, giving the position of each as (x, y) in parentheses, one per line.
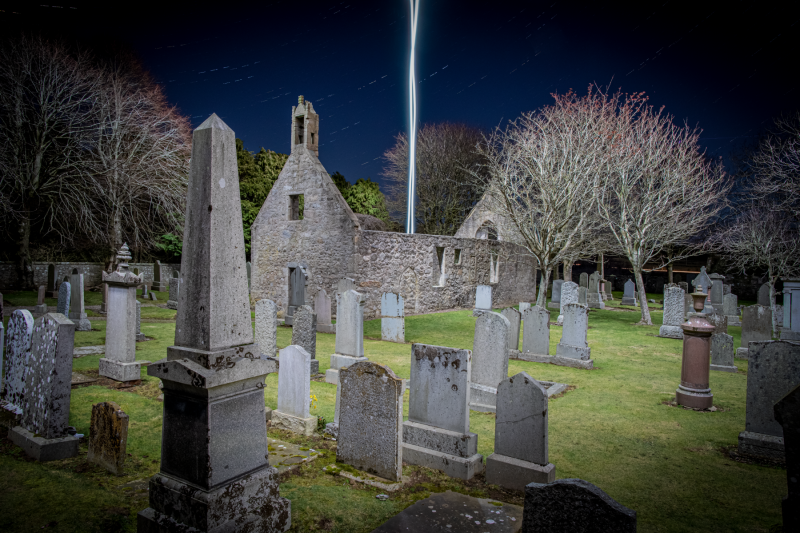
(92, 273)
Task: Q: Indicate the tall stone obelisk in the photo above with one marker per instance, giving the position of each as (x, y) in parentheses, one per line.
(215, 474)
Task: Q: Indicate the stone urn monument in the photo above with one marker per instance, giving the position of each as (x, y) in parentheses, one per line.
(694, 390)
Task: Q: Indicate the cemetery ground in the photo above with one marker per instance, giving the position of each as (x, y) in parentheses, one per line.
(615, 428)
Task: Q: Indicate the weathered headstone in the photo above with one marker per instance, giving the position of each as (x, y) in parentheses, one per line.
(139, 335)
(720, 322)
(345, 284)
(791, 310)
(393, 321)
(772, 371)
(673, 313)
(152, 296)
(763, 295)
(77, 312)
(571, 505)
(174, 293)
(489, 360)
(756, 326)
(524, 306)
(267, 328)
(722, 353)
(145, 291)
(684, 285)
(437, 434)
(294, 391)
(730, 308)
(322, 308)
(573, 343)
(787, 414)
(582, 297)
(514, 319)
(535, 332)
(304, 333)
(214, 435)
(717, 292)
(483, 297)
(120, 362)
(555, 294)
(51, 281)
(569, 295)
(64, 297)
(48, 380)
(41, 307)
(608, 285)
(108, 437)
(520, 435)
(18, 352)
(594, 300)
(297, 290)
(159, 278)
(349, 333)
(629, 293)
(584, 280)
(371, 420)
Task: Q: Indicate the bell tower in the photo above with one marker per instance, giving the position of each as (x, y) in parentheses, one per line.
(305, 126)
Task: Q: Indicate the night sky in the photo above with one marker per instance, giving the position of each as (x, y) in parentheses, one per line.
(726, 67)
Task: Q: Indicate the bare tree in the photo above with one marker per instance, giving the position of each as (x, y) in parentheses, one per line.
(446, 152)
(777, 167)
(45, 93)
(656, 188)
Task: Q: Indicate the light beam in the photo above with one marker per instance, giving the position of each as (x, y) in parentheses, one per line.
(412, 130)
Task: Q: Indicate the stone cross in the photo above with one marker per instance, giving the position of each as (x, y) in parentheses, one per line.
(569, 295)
(18, 352)
(593, 297)
(489, 360)
(584, 280)
(573, 337)
(514, 319)
(722, 353)
(294, 392)
(520, 435)
(437, 434)
(371, 420)
(787, 414)
(393, 321)
(304, 333)
(629, 293)
(77, 313)
(483, 297)
(108, 437)
(674, 304)
(536, 331)
(555, 294)
(730, 308)
(267, 328)
(756, 326)
(64, 297)
(322, 308)
(224, 458)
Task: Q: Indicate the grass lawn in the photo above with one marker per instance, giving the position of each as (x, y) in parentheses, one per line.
(614, 430)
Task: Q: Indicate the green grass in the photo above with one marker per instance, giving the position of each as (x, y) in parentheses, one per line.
(613, 430)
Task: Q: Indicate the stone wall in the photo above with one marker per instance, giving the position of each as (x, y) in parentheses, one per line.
(92, 273)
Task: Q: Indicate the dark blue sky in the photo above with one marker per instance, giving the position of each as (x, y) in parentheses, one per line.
(727, 67)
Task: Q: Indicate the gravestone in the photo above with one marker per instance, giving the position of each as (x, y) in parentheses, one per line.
(139, 335)
(593, 297)
(214, 434)
(297, 290)
(717, 292)
(726, 289)
(674, 304)
(688, 305)
(174, 293)
(145, 294)
(349, 333)
(120, 362)
(322, 308)
(304, 333)
(294, 391)
(523, 306)
(520, 435)
(437, 434)
(18, 352)
(685, 286)
(584, 280)
(489, 360)
(573, 343)
(393, 322)
(51, 281)
(64, 297)
(720, 322)
(730, 308)
(702, 283)
(555, 294)
(763, 295)
(267, 328)
(77, 313)
(569, 295)
(572, 505)
(629, 293)
(249, 272)
(536, 332)
(514, 319)
(41, 307)
(791, 310)
(582, 295)
(772, 371)
(608, 284)
(42, 433)
(344, 285)
(108, 437)
(159, 278)
(722, 353)
(787, 414)
(371, 420)
(483, 297)
(104, 292)
(756, 326)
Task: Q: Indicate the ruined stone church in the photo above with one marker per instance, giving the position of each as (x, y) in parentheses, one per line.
(306, 233)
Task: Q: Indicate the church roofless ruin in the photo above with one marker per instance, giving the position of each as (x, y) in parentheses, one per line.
(306, 224)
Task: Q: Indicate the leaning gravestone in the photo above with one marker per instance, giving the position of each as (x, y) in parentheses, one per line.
(584, 280)
(483, 297)
(763, 295)
(43, 431)
(730, 308)
(756, 326)
(572, 505)
(371, 420)
(722, 353)
(514, 319)
(322, 308)
(535, 332)
(787, 414)
(520, 435)
(569, 295)
(64, 297)
(594, 299)
(18, 352)
(437, 434)
(555, 294)
(304, 333)
(41, 307)
(629, 294)
(294, 392)
(773, 370)
(349, 333)
(77, 313)
(267, 328)
(573, 343)
(489, 360)
(108, 437)
(673, 313)
(393, 321)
